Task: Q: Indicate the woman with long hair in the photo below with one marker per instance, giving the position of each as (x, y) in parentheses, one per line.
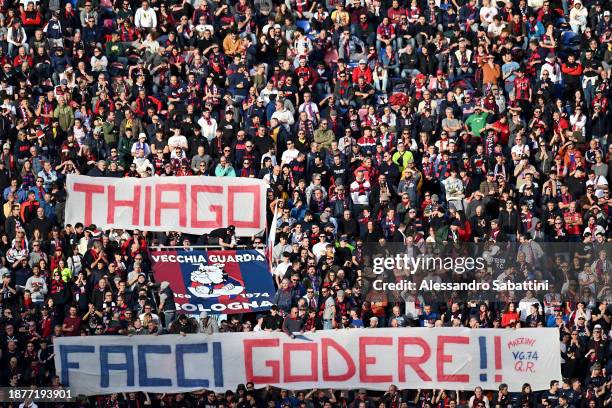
(75, 261)
(330, 278)
(510, 316)
(28, 178)
(36, 237)
(485, 318)
(408, 185)
(59, 292)
(527, 397)
(79, 291)
(63, 270)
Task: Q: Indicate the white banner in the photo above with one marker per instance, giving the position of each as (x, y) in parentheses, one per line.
(451, 358)
(194, 205)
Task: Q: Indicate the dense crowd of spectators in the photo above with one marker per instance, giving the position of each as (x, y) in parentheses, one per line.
(372, 121)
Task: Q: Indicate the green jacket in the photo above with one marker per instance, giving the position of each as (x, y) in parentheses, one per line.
(110, 136)
(324, 138)
(442, 234)
(125, 146)
(402, 159)
(65, 115)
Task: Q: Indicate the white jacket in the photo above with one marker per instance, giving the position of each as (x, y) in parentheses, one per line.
(38, 287)
(145, 18)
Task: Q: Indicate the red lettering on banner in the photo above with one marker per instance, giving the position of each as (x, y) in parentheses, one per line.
(327, 344)
(216, 209)
(413, 361)
(310, 347)
(113, 204)
(180, 205)
(248, 346)
(442, 358)
(255, 191)
(89, 190)
(188, 204)
(147, 211)
(365, 360)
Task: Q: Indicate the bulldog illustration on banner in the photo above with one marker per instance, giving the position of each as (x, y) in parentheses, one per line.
(212, 281)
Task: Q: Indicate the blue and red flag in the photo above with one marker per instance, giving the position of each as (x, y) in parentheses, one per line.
(219, 282)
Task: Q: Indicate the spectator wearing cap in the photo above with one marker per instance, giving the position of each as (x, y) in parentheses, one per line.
(223, 237)
(596, 347)
(8, 159)
(207, 324)
(596, 380)
(96, 142)
(141, 144)
(578, 17)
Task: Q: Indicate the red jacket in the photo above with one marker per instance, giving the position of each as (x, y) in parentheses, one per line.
(367, 73)
(310, 75)
(20, 60)
(28, 210)
(31, 19)
(143, 104)
(465, 232)
(576, 71)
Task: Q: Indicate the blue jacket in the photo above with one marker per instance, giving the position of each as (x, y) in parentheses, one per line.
(536, 31)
